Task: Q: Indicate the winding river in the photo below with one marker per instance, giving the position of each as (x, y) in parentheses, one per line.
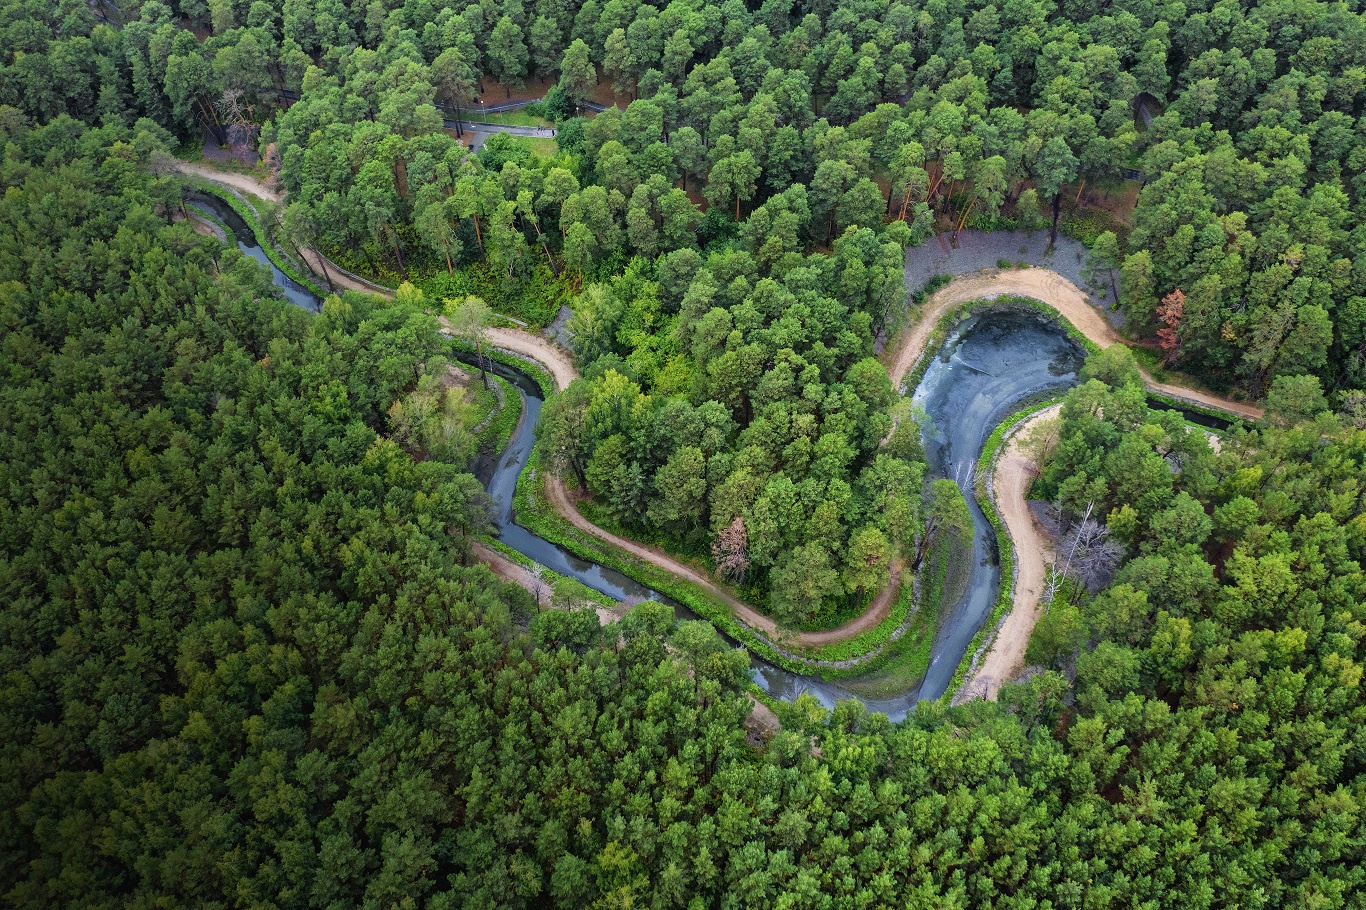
(242, 233)
(987, 367)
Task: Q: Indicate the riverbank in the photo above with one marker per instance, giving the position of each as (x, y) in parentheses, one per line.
(1058, 293)
(857, 645)
(1009, 481)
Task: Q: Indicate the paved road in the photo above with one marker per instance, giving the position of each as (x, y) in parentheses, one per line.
(480, 132)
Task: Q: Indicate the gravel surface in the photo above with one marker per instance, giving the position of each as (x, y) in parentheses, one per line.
(980, 250)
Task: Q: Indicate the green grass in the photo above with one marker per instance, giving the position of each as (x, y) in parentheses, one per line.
(495, 436)
(542, 147)
(518, 117)
(537, 373)
(871, 642)
(905, 667)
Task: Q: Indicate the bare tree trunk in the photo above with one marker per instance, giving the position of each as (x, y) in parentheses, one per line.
(322, 264)
(962, 221)
(479, 354)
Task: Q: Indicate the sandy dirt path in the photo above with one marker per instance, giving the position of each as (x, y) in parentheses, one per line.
(562, 369)
(1054, 290)
(243, 182)
(881, 607)
(1010, 479)
(521, 576)
(556, 361)
(322, 268)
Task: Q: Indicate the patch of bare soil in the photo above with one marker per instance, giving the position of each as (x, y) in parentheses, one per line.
(1054, 290)
(243, 182)
(761, 723)
(493, 92)
(1010, 478)
(523, 577)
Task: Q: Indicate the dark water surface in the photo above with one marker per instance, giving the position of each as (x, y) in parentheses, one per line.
(987, 367)
(294, 292)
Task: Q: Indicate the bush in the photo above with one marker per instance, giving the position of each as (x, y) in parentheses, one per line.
(557, 105)
(715, 226)
(443, 285)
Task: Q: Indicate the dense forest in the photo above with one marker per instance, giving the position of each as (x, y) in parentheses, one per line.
(802, 121)
(732, 233)
(243, 664)
(248, 658)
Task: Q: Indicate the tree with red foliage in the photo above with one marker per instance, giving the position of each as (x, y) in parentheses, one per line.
(1169, 313)
(732, 550)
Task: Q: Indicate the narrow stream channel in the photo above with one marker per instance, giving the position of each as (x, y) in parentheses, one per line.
(217, 209)
(987, 368)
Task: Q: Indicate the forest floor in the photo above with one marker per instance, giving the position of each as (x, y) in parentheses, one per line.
(1060, 294)
(1010, 479)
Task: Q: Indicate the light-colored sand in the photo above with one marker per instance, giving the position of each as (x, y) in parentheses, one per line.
(1010, 480)
(1054, 290)
(243, 182)
(761, 720)
(321, 267)
(556, 360)
(1040, 284)
(521, 576)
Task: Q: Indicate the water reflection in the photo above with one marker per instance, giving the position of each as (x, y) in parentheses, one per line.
(294, 292)
(988, 366)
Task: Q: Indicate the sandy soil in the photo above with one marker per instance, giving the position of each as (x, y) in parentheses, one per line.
(1052, 289)
(521, 576)
(334, 275)
(228, 178)
(762, 722)
(555, 360)
(200, 226)
(248, 184)
(1010, 479)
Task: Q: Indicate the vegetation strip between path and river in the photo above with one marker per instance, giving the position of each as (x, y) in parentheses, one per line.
(1067, 303)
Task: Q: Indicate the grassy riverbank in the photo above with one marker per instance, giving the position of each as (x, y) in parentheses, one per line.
(264, 238)
(1005, 594)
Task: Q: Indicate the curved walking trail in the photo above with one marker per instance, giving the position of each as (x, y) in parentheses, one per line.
(1010, 479)
(1038, 283)
(1060, 294)
(245, 183)
(554, 359)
